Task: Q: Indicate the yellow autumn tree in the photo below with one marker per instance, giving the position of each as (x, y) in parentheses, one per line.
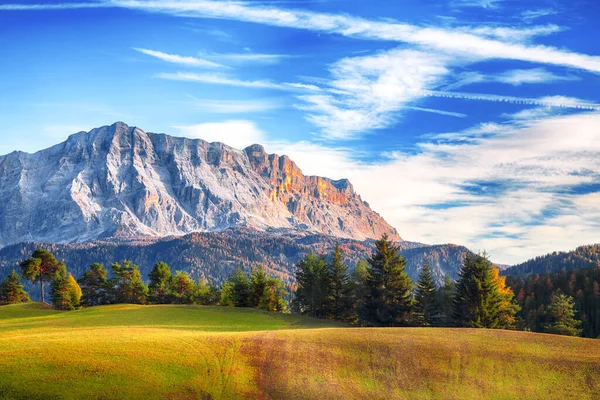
(507, 307)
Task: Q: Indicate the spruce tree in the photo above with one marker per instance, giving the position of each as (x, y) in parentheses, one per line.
(340, 287)
(160, 283)
(272, 296)
(183, 288)
(388, 301)
(426, 303)
(258, 282)
(561, 313)
(237, 290)
(94, 286)
(41, 267)
(11, 290)
(481, 300)
(445, 296)
(65, 292)
(312, 291)
(127, 284)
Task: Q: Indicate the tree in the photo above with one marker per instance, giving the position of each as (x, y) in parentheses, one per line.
(11, 290)
(562, 316)
(258, 283)
(481, 298)
(183, 288)
(272, 296)
(236, 290)
(94, 286)
(66, 293)
(388, 301)
(41, 267)
(207, 294)
(340, 287)
(127, 284)
(445, 296)
(312, 291)
(426, 303)
(160, 283)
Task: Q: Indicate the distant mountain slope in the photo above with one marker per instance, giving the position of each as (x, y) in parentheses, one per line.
(581, 257)
(214, 255)
(119, 181)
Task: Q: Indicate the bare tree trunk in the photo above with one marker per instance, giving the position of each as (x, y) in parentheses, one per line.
(42, 286)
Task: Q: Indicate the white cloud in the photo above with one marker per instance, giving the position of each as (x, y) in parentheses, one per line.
(235, 133)
(489, 4)
(218, 79)
(515, 77)
(247, 58)
(181, 60)
(531, 15)
(234, 106)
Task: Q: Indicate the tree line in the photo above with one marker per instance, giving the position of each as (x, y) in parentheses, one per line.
(126, 285)
(380, 293)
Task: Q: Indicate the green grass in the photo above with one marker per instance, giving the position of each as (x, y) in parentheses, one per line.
(179, 352)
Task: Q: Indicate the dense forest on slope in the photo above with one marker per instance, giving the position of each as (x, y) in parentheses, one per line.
(581, 257)
(533, 293)
(214, 255)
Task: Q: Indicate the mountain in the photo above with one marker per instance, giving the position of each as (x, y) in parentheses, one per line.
(214, 255)
(581, 257)
(121, 182)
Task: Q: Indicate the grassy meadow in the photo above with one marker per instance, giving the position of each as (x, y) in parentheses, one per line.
(196, 352)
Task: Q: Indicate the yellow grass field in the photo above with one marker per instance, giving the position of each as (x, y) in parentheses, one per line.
(180, 352)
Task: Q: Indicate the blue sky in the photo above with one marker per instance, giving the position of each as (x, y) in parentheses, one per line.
(467, 121)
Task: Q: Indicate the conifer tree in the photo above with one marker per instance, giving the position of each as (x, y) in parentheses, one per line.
(340, 287)
(272, 296)
(41, 267)
(127, 284)
(312, 292)
(445, 296)
(65, 292)
(426, 303)
(237, 290)
(183, 288)
(11, 290)
(388, 301)
(160, 283)
(562, 316)
(258, 282)
(94, 286)
(481, 299)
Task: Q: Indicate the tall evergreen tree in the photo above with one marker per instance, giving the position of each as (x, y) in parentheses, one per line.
(312, 292)
(127, 284)
(388, 301)
(41, 267)
(561, 313)
(11, 290)
(183, 288)
(340, 287)
(480, 301)
(258, 283)
(65, 292)
(272, 296)
(426, 303)
(94, 286)
(237, 290)
(160, 283)
(445, 296)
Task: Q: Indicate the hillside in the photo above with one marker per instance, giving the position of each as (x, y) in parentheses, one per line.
(215, 255)
(178, 352)
(581, 257)
(121, 182)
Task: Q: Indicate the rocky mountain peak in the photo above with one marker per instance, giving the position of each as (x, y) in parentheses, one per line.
(119, 181)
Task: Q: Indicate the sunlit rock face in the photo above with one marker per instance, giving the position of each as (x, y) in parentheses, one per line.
(119, 181)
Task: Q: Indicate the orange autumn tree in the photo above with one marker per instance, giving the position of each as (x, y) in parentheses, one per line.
(507, 307)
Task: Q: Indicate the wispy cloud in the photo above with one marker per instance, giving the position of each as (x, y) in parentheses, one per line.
(236, 133)
(56, 6)
(181, 60)
(452, 41)
(488, 4)
(531, 15)
(233, 106)
(247, 58)
(515, 77)
(435, 111)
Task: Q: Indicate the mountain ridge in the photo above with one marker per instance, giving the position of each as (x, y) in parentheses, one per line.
(119, 181)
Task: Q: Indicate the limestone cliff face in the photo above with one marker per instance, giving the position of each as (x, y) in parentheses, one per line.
(119, 181)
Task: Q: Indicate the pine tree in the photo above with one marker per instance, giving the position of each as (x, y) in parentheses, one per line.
(183, 288)
(562, 315)
(426, 303)
(41, 267)
(11, 290)
(160, 283)
(258, 282)
(340, 287)
(445, 296)
(312, 291)
(481, 299)
(237, 290)
(65, 292)
(94, 286)
(388, 301)
(127, 284)
(272, 296)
